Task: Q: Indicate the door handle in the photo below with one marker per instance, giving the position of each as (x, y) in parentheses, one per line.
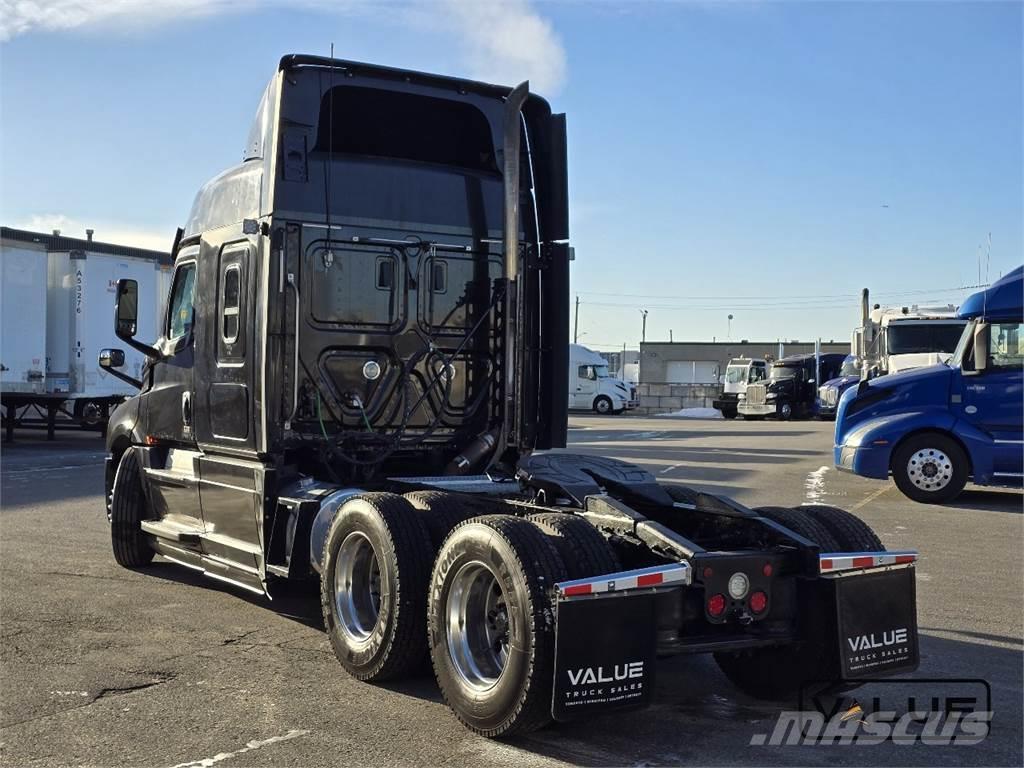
(186, 409)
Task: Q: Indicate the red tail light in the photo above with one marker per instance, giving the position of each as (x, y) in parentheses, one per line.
(758, 602)
(716, 605)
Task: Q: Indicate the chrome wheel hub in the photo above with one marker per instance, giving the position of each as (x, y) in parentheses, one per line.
(930, 469)
(357, 588)
(478, 625)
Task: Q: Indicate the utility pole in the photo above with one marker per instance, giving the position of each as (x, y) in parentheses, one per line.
(670, 341)
(643, 333)
(576, 320)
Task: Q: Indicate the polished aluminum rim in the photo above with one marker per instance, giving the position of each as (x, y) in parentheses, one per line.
(477, 626)
(357, 587)
(603, 405)
(930, 469)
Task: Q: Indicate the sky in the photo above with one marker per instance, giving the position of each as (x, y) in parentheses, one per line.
(764, 160)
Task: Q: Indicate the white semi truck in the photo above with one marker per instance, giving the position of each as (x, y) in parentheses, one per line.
(740, 372)
(592, 387)
(56, 298)
(894, 339)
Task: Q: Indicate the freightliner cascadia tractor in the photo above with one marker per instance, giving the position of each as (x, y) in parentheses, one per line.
(361, 374)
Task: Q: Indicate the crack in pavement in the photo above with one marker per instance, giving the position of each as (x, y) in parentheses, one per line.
(105, 693)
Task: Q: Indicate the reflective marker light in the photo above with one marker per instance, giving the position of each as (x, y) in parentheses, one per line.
(767, 570)
(716, 605)
(738, 585)
(758, 602)
(371, 370)
(707, 573)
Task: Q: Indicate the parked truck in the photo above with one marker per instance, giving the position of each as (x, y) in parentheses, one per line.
(56, 300)
(933, 429)
(791, 388)
(894, 339)
(739, 373)
(592, 387)
(832, 390)
(361, 368)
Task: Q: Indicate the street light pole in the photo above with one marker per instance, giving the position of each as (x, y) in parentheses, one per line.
(576, 320)
(643, 332)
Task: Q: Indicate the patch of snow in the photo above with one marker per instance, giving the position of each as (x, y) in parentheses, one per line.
(692, 413)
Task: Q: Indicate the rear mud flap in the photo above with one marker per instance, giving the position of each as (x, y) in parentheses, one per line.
(876, 622)
(604, 654)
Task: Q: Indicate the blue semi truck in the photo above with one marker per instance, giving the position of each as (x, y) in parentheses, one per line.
(935, 428)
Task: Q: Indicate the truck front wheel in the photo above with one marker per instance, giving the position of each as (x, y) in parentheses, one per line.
(128, 508)
(492, 638)
(374, 576)
(930, 468)
(603, 405)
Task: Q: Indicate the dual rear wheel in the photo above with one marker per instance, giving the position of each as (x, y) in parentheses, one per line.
(477, 601)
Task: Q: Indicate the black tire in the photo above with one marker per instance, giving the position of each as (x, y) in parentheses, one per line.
(603, 405)
(802, 523)
(915, 484)
(729, 414)
(852, 533)
(784, 412)
(440, 512)
(128, 508)
(584, 551)
(392, 643)
(517, 556)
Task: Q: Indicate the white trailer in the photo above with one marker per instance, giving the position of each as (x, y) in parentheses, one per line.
(22, 319)
(58, 298)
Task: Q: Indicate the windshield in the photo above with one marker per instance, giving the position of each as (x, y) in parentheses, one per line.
(851, 367)
(962, 345)
(601, 371)
(781, 372)
(911, 338)
(735, 374)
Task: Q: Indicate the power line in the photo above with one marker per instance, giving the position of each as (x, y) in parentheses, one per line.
(795, 297)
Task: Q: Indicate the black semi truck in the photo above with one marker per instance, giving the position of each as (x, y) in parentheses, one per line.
(360, 375)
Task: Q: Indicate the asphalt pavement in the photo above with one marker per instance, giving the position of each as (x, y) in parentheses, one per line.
(160, 667)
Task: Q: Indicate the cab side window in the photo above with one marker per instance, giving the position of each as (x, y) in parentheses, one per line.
(179, 312)
(1006, 346)
(757, 373)
(231, 305)
(587, 372)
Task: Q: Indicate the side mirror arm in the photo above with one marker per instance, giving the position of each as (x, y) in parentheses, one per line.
(145, 349)
(125, 377)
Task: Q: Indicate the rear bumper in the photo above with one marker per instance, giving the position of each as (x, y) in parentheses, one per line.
(610, 629)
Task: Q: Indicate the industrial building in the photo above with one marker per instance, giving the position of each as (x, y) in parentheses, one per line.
(703, 362)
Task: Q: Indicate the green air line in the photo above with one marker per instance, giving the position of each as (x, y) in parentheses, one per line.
(320, 417)
(365, 420)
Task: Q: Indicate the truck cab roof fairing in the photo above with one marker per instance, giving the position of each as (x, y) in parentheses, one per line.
(1001, 299)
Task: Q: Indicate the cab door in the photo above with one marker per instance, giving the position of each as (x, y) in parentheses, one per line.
(232, 475)
(170, 460)
(586, 386)
(994, 399)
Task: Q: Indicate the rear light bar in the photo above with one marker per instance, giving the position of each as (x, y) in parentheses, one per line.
(662, 575)
(834, 562)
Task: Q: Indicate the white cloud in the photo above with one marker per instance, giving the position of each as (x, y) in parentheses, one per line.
(105, 231)
(507, 41)
(502, 41)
